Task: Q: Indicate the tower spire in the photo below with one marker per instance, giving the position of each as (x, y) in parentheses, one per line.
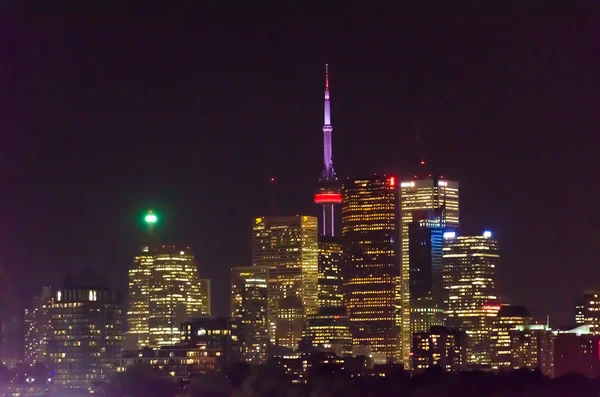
(327, 129)
(328, 192)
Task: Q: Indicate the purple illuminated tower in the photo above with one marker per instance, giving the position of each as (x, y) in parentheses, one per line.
(329, 191)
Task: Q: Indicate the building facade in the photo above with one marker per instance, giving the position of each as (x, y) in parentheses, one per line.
(12, 344)
(439, 347)
(86, 336)
(328, 331)
(587, 310)
(288, 247)
(249, 304)
(533, 348)
(371, 271)
(417, 196)
(205, 294)
(425, 283)
(223, 335)
(164, 291)
(507, 319)
(577, 351)
(38, 327)
(469, 282)
(331, 282)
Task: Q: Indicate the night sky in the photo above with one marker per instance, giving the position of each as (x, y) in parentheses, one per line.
(102, 117)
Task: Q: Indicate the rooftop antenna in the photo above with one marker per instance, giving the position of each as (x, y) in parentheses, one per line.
(273, 195)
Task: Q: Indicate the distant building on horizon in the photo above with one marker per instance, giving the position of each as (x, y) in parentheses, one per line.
(470, 297)
(11, 345)
(416, 196)
(85, 343)
(249, 304)
(38, 327)
(328, 330)
(288, 247)
(425, 282)
(507, 320)
(587, 310)
(371, 271)
(533, 348)
(331, 282)
(164, 291)
(439, 347)
(577, 351)
(205, 294)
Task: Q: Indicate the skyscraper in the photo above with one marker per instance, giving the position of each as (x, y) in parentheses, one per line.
(330, 272)
(164, 291)
(86, 334)
(469, 281)
(417, 196)
(369, 230)
(205, 292)
(328, 192)
(329, 329)
(587, 310)
(38, 327)
(249, 304)
(288, 247)
(425, 285)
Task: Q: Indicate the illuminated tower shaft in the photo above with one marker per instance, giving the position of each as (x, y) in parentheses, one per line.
(328, 192)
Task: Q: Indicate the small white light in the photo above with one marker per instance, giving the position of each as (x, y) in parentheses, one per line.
(487, 234)
(449, 234)
(181, 252)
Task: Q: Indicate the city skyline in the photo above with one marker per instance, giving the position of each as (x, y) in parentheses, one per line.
(79, 171)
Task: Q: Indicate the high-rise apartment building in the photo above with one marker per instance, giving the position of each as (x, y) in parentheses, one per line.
(249, 304)
(38, 328)
(369, 230)
(587, 310)
(417, 196)
(469, 282)
(164, 291)
(86, 335)
(507, 319)
(288, 247)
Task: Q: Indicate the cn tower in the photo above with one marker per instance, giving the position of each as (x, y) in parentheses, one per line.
(329, 192)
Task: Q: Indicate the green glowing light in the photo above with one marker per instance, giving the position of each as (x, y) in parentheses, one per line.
(151, 218)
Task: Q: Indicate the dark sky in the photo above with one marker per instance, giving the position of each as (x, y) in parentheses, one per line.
(103, 116)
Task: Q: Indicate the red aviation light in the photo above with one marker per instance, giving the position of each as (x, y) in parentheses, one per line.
(392, 181)
(328, 198)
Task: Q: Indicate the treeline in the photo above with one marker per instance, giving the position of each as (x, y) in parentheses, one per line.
(269, 381)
